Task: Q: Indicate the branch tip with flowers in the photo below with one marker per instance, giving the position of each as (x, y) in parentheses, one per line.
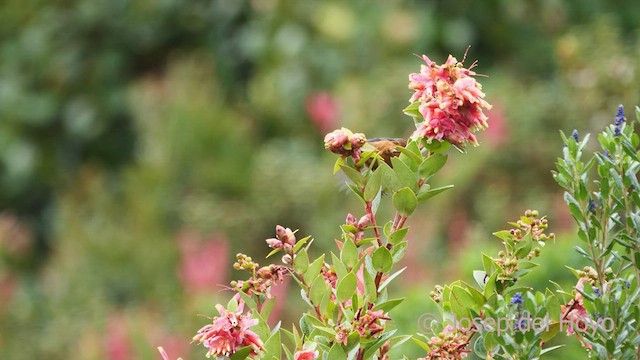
(348, 291)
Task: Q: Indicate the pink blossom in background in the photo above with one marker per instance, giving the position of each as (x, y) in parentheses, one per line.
(498, 133)
(117, 343)
(457, 231)
(16, 238)
(323, 110)
(172, 346)
(8, 286)
(204, 260)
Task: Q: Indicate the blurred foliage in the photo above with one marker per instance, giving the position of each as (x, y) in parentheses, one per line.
(123, 123)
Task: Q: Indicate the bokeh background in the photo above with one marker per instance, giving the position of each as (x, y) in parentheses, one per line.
(144, 143)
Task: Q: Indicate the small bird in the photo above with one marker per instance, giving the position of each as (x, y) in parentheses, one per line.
(387, 147)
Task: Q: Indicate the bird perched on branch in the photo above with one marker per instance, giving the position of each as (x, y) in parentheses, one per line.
(387, 147)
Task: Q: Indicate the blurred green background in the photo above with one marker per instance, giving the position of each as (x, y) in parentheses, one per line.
(144, 143)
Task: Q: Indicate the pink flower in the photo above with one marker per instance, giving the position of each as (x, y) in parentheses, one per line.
(228, 333)
(117, 339)
(344, 142)
(305, 355)
(450, 102)
(285, 235)
(204, 260)
(575, 316)
(322, 108)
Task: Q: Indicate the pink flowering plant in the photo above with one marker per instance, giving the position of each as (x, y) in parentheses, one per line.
(347, 291)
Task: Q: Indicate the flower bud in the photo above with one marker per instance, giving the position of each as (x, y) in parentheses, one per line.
(336, 140)
(290, 238)
(287, 259)
(280, 232)
(364, 222)
(357, 140)
(350, 220)
(274, 243)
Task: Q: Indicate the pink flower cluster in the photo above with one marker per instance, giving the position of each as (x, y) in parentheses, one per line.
(344, 142)
(306, 355)
(450, 102)
(228, 333)
(285, 239)
(575, 312)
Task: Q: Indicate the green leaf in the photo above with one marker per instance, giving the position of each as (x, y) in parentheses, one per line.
(382, 260)
(373, 185)
(301, 262)
(300, 243)
(349, 253)
(391, 277)
(398, 235)
(314, 269)
(480, 277)
(398, 251)
(406, 177)
(267, 308)
(232, 306)
(388, 305)
(390, 179)
(478, 347)
(432, 165)
(376, 202)
(318, 288)
(353, 174)
(346, 287)
(422, 196)
(337, 353)
(273, 252)
(272, 347)
(369, 287)
(338, 266)
(338, 164)
(415, 159)
(355, 190)
(490, 286)
(242, 354)
(544, 351)
(413, 109)
(490, 341)
(503, 234)
(435, 146)
(405, 201)
(465, 299)
(421, 343)
(287, 352)
(487, 264)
